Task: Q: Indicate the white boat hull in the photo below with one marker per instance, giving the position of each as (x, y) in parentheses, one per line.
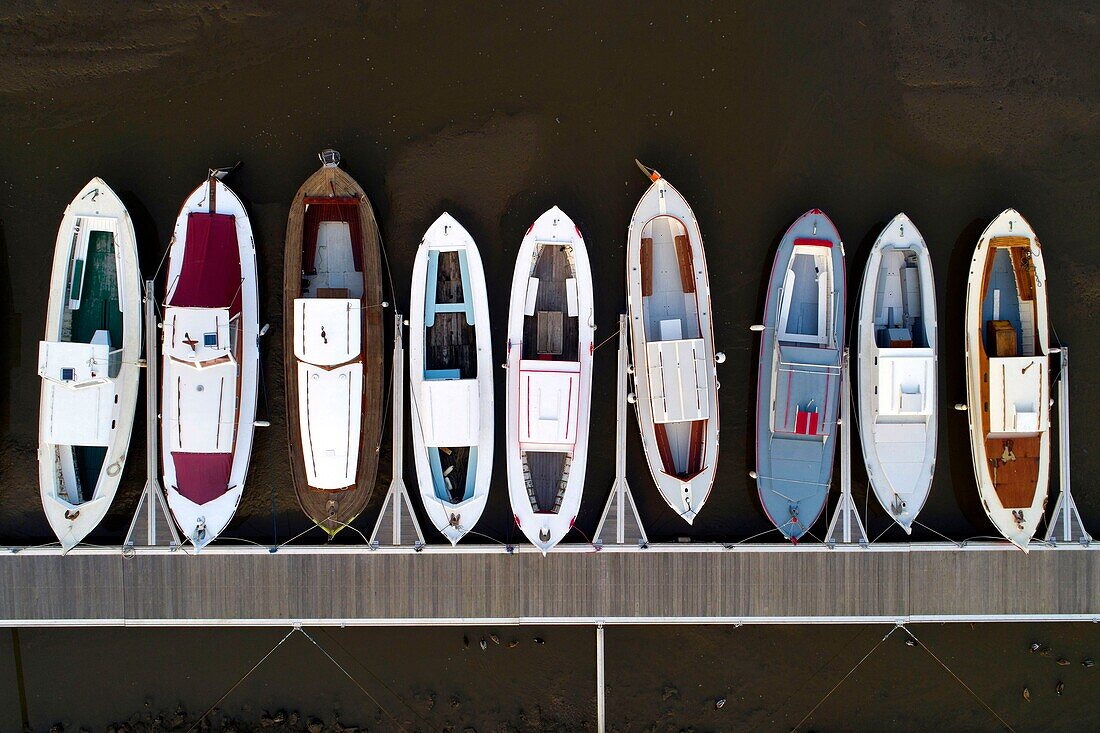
(452, 518)
(1023, 379)
(201, 523)
(98, 208)
(898, 392)
(564, 440)
(684, 311)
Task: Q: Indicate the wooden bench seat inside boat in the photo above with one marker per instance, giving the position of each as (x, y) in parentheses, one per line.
(686, 262)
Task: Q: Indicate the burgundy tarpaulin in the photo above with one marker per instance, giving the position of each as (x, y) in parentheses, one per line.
(211, 273)
(331, 209)
(202, 477)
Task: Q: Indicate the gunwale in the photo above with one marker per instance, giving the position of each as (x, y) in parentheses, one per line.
(333, 182)
(1017, 491)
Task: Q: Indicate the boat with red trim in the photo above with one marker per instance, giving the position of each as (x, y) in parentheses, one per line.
(550, 329)
(210, 358)
(798, 385)
(672, 346)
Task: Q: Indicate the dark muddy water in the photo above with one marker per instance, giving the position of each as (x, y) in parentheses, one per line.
(948, 111)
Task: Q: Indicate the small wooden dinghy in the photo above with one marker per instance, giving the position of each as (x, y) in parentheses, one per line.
(332, 295)
(897, 370)
(550, 329)
(88, 362)
(672, 345)
(210, 360)
(798, 384)
(1008, 379)
(451, 378)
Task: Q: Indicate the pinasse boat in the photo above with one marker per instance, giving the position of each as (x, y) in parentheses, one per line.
(332, 295)
(896, 337)
(550, 330)
(672, 343)
(1008, 377)
(88, 362)
(210, 360)
(798, 384)
(451, 378)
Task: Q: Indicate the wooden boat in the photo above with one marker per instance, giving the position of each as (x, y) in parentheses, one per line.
(798, 383)
(88, 362)
(672, 345)
(210, 360)
(332, 295)
(897, 370)
(451, 378)
(1008, 378)
(550, 329)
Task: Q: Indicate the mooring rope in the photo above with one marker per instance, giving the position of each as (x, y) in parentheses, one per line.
(966, 687)
(237, 684)
(373, 676)
(843, 679)
(354, 681)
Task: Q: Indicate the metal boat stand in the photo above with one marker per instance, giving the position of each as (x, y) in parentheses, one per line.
(1065, 521)
(845, 516)
(145, 530)
(620, 523)
(397, 524)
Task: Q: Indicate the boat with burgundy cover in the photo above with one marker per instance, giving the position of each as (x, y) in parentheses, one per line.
(451, 378)
(210, 358)
(798, 385)
(1008, 376)
(672, 346)
(332, 305)
(549, 361)
(88, 362)
(896, 338)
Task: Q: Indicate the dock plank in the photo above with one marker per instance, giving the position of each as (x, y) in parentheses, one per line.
(438, 586)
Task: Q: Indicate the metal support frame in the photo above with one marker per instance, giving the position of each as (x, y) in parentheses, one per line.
(846, 517)
(144, 527)
(397, 523)
(1065, 521)
(601, 685)
(625, 522)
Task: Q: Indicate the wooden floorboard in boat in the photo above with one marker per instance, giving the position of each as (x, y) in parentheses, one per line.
(546, 474)
(349, 503)
(1017, 480)
(421, 587)
(552, 269)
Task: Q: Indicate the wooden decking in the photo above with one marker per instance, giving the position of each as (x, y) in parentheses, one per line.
(551, 332)
(333, 510)
(656, 585)
(451, 342)
(1012, 463)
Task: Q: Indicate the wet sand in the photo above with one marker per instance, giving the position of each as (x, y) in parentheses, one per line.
(950, 112)
(660, 679)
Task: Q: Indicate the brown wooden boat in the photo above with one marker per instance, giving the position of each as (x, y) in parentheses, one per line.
(332, 316)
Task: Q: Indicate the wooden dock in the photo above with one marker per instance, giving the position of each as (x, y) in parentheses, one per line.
(441, 585)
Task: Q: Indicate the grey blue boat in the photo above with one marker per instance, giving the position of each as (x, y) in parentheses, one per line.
(799, 381)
